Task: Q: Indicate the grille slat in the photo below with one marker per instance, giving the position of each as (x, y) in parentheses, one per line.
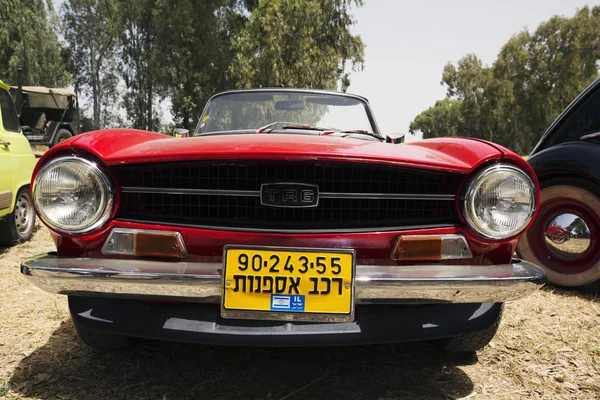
(246, 212)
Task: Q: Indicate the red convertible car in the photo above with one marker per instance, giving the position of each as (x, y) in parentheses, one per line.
(558, 234)
(286, 219)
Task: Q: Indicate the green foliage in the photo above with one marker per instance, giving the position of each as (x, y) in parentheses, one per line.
(140, 57)
(439, 120)
(534, 78)
(297, 44)
(578, 226)
(28, 41)
(194, 51)
(188, 50)
(214, 45)
(90, 29)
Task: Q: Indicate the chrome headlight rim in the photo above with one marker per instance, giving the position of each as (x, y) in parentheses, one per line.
(469, 213)
(105, 185)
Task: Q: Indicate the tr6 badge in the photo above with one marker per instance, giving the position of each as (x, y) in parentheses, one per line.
(289, 195)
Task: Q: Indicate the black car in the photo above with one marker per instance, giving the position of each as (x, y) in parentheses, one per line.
(567, 163)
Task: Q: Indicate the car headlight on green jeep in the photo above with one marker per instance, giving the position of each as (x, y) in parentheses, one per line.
(499, 202)
(72, 195)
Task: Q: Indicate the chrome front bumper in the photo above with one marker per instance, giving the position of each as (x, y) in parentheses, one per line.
(201, 282)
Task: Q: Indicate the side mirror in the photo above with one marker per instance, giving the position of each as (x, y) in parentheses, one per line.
(181, 132)
(395, 138)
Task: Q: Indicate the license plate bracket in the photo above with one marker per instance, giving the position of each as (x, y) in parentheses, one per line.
(288, 284)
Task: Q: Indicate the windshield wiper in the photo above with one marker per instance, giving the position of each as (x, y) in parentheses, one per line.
(363, 132)
(306, 127)
(289, 125)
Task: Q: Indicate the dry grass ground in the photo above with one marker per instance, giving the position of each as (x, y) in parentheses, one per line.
(571, 249)
(39, 150)
(571, 246)
(577, 246)
(548, 346)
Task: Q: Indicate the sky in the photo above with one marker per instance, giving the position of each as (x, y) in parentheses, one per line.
(409, 42)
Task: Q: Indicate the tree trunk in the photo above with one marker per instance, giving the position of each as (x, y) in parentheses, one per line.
(186, 119)
(100, 94)
(149, 106)
(95, 88)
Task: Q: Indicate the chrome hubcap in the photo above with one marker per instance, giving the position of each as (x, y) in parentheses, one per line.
(23, 215)
(567, 236)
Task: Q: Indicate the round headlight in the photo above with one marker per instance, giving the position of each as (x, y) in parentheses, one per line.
(500, 202)
(72, 195)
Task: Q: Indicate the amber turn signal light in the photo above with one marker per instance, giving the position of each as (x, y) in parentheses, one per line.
(144, 243)
(431, 247)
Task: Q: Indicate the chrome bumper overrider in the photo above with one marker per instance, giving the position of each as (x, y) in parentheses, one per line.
(201, 282)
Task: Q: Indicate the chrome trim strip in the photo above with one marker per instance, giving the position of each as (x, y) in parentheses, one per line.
(322, 195)
(205, 192)
(201, 281)
(389, 196)
(590, 136)
(259, 230)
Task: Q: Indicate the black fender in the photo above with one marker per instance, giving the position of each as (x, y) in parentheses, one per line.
(572, 159)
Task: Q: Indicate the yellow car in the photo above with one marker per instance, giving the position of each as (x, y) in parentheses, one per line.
(17, 215)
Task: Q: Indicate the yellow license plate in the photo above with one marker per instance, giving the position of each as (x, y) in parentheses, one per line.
(288, 284)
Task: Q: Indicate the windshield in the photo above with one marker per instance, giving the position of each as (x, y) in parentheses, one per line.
(242, 111)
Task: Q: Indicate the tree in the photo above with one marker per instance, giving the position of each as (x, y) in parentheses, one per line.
(90, 29)
(138, 55)
(579, 227)
(28, 41)
(196, 51)
(467, 83)
(187, 50)
(534, 78)
(440, 120)
(549, 68)
(297, 44)
(473, 107)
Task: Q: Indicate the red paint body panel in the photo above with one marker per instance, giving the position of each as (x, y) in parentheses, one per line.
(119, 146)
(123, 146)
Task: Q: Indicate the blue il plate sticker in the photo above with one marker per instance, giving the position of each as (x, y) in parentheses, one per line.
(287, 303)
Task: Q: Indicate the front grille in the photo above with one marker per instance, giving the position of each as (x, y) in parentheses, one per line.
(240, 207)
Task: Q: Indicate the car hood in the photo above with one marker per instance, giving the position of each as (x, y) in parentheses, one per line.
(126, 146)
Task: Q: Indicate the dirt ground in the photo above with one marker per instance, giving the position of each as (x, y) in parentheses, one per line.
(548, 346)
